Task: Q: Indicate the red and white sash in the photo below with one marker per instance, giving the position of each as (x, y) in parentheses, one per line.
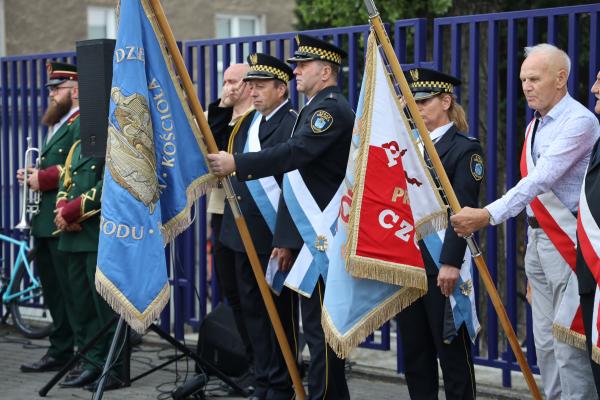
(588, 234)
(560, 225)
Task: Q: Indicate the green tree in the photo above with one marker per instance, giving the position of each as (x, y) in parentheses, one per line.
(314, 14)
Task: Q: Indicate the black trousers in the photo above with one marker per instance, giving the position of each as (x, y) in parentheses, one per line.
(422, 343)
(326, 375)
(272, 380)
(224, 261)
(587, 309)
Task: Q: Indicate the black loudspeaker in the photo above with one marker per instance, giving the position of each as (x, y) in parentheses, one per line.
(94, 67)
(220, 344)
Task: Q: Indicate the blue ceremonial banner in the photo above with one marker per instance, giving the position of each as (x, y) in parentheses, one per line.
(155, 170)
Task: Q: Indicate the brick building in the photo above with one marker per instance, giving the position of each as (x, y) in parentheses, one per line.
(42, 26)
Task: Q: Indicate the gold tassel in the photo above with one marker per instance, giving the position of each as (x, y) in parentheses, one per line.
(388, 272)
(182, 221)
(568, 336)
(139, 322)
(596, 354)
(343, 345)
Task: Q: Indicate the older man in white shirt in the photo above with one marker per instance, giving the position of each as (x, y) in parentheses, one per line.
(555, 156)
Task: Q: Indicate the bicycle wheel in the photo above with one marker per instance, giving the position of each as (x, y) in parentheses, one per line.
(29, 314)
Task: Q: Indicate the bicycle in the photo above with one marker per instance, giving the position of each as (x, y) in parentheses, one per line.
(21, 293)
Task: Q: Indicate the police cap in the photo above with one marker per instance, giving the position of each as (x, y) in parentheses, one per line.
(310, 48)
(264, 66)
(425, 83)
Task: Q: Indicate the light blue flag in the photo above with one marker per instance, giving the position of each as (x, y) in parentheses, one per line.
(155, 170)
(462, 299)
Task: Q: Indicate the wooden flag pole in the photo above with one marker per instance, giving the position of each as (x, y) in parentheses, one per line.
(384, 40)
(239, 218)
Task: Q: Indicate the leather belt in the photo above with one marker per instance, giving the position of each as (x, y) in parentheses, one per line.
(533, 222)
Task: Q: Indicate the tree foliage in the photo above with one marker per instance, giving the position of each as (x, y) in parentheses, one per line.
(314, 14)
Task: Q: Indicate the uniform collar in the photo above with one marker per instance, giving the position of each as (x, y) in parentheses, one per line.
(438, 132)
(268, 117)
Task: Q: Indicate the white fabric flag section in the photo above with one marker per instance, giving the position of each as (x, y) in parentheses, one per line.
(387, 196)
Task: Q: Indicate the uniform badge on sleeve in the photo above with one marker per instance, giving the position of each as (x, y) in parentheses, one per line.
(477, 169)
(321, 121)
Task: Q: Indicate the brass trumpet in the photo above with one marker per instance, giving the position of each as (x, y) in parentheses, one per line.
(30, 202)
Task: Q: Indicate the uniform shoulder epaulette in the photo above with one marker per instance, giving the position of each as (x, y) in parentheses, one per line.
(73, 117)
(472, 139)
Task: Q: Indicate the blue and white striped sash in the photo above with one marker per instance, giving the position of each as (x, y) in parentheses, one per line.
(316, 228)
(264, 191)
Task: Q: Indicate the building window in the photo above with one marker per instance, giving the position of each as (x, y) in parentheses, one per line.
(239, 25)
(228, 26)
(102, 23)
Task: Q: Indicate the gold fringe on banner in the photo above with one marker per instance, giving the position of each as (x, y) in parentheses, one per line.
(432, 224)
(596, 354)
(568, 336)
(183, 220)
(138, 321)
(344, 344)
(388, 272)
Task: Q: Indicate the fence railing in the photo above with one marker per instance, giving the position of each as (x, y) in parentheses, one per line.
(484, 50)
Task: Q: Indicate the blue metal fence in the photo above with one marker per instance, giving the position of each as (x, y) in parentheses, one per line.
(484, 50)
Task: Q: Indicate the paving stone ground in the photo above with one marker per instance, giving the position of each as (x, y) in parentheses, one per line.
(370, 376)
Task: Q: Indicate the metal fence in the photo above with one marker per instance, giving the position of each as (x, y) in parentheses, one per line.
(484, 50)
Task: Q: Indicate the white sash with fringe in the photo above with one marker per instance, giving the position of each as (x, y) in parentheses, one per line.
(560, 226)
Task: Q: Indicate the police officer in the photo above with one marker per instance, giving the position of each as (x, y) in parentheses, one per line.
(269, 124)
(77, 216)
(62, 120)
(318, 150)
(424, 337)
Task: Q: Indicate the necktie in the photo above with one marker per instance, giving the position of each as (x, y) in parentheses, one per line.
(262, 127)
(535, 126)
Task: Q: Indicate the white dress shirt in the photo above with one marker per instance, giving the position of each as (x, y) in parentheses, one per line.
(561, 152)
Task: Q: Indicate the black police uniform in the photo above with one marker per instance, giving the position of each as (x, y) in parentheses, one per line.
(272, 380)
(321, 159)
(422, 323)
(585, 279)
(221, 125)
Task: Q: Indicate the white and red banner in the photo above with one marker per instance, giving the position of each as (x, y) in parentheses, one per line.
(560, 225)
(394, 195)
(588, 235)
(388, 202)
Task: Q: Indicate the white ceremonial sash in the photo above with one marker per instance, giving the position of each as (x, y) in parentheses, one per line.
(560, 225)
(316, 228)
(588, 233)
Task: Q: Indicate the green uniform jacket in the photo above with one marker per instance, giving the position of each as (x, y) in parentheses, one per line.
(79, 194)
(52, 159)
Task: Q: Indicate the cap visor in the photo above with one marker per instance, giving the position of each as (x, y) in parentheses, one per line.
(54, 82)
(298, 58)
(424, 95)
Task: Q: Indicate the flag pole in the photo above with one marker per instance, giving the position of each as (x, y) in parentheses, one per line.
(237, 213)
(384, 40)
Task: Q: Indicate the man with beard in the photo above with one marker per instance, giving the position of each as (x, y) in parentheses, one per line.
(62, 120)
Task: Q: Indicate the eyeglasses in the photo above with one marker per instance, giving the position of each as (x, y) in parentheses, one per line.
(54, 89)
